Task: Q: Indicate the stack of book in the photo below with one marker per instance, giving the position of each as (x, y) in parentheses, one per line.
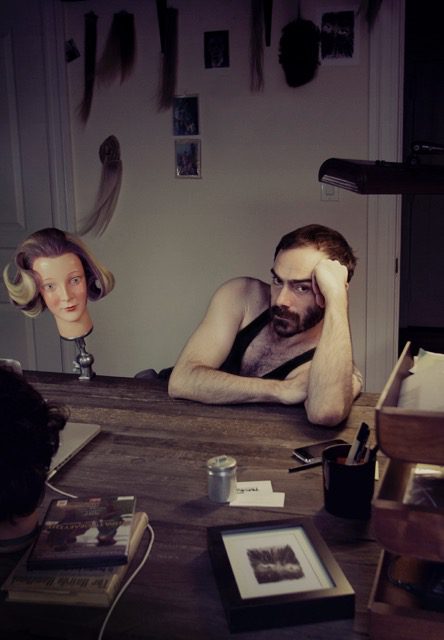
(81, 554)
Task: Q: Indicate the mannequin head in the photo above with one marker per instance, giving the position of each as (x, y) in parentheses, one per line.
(29, 437)
(63, 288)
(55, 270)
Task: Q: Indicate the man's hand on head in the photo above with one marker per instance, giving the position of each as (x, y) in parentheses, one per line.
(329, 278)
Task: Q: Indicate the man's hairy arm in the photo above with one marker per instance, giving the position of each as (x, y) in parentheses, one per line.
(328, 384)
(196, 375)
(334, 382)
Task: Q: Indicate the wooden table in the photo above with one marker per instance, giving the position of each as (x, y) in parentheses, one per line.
(156, 448)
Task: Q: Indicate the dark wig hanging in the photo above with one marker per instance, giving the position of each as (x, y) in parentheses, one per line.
(89, 65)
(256, 46)
(168, 73)
(119, 55)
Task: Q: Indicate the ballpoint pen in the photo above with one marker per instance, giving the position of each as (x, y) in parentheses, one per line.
(358, 444)
(370, 453)
(307, 465)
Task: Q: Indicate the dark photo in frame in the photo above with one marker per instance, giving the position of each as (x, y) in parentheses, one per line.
(276, 574)
(187, 158)
(186, 116)
(338, 35)
(216, 49)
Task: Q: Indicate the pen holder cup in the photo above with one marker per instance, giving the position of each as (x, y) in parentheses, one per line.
(348, 489)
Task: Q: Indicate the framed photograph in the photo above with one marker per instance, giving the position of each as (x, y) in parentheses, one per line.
(187, 158)
(340, 37)
(186, 116)
(278, 573)
(216, 49)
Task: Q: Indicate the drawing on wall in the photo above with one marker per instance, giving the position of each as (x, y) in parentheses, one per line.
(339, 37)
(187, 155)
(186, 116)
(216, 49)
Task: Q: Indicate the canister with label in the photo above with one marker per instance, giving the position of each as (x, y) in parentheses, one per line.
(221, 478)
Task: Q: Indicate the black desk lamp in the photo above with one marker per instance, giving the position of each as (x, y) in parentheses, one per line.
(362, 176)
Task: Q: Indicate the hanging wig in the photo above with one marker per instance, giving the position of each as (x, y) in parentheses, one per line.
(119, 55)
(89, 65)
(299, 51)
(256, 46)
(168, 74)
(109, 188)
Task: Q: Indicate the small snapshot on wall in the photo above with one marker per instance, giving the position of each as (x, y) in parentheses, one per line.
(340, 38)
(187, 155)
(216, 49)
(186, 116)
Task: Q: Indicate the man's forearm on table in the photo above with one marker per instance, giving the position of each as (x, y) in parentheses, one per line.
(211, 386)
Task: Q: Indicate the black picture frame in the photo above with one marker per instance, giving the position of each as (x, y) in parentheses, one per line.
(306, 583)
(187, 154)
(216, 49)
(186, 115)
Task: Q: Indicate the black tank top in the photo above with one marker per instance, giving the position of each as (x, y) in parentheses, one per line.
(246, 335)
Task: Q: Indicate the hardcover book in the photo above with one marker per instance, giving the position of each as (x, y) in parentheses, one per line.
(95, 587)
(425, 486)
(84, 532)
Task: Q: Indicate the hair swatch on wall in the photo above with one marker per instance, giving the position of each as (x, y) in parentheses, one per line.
(119, 56)
(299, 51)
(89, 65)
(168, 72)
(109, 188)
(256, 46)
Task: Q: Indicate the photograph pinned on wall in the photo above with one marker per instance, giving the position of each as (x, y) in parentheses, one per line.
(187, 158)
(277, 573)
(340, 40)
(186, 116)
(216, 49)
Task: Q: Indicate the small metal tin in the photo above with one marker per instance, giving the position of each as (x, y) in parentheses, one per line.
(221, 478)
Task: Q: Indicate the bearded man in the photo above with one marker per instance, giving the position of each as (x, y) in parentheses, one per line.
(288, 341)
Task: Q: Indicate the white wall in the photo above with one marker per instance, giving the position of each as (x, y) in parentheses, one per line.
(172, 241)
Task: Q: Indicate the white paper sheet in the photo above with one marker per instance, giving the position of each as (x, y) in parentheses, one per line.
(257, 494)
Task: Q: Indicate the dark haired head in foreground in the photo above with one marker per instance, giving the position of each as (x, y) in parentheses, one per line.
(29, 437)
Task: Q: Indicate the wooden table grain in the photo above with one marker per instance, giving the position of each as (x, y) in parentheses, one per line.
(156, 448)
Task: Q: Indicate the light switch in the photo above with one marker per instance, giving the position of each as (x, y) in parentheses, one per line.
(329, 192)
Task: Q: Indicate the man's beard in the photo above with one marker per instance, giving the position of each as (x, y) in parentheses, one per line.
(287, 324)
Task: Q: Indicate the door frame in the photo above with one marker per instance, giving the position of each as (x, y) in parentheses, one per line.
(384, 211)
(59, 132)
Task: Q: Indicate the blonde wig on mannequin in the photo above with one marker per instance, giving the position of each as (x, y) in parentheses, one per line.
(23, 285)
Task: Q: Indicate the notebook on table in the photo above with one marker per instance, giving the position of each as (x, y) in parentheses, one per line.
(73, 438)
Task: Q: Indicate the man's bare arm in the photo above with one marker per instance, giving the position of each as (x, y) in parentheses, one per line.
(334, 382)
(196, 375)
(328, 388)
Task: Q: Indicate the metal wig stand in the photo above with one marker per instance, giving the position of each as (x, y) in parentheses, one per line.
(84, 360)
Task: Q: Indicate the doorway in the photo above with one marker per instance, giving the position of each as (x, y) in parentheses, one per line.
(35, 170)
(422, 228)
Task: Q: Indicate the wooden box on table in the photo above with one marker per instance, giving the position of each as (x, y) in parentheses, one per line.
(412, 535)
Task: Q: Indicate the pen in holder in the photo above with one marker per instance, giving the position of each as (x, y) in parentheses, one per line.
(348, 488)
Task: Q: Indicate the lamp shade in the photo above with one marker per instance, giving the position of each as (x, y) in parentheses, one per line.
(362, 176)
